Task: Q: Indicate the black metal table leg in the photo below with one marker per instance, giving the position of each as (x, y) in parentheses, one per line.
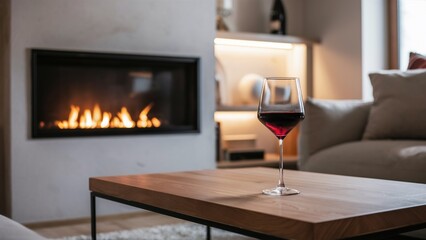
(208, 233)
(93, 214)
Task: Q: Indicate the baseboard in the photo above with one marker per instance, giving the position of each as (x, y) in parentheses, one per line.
(85, 220)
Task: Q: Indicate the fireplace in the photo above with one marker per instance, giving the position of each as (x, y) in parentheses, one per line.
(95, 94)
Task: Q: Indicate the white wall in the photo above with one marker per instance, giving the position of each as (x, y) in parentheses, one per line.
(353, 42)
(50, 176)
(337, 60)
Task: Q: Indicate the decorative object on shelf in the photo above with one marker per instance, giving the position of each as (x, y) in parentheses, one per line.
(223, 9)
(218, 142)
(239, 141)
(241, 147)
(249, 88)
(220, 82)
(248, 154)
(278, 18)
(220, 24)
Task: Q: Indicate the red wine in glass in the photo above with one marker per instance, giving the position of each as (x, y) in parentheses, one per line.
(280, 110)
(280, 123)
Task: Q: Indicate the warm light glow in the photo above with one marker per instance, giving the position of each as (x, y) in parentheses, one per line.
(73, 117)
(97, 119)
(249, 43)
(144, 121)
(87, 119)
(97, 114)
(156, 122)
(223, 116)
(126, 119)
(105, 120)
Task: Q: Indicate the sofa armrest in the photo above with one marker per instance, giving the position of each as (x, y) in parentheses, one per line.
(331, 122)
(11, 230)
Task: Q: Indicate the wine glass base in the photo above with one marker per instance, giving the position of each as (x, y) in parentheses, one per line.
(280, 191)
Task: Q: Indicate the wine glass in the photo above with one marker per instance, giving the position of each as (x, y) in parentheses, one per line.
(280, 110)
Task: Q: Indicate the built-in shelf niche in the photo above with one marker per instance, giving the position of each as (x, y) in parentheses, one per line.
(261, 54)
(236, 59)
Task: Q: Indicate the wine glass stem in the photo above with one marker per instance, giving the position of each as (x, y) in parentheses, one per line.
(281, 166)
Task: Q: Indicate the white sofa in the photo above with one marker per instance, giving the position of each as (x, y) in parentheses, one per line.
(331, 141)
(11, 230)
(384, 139)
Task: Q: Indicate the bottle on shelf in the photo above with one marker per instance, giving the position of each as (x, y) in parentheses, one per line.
(278, 18)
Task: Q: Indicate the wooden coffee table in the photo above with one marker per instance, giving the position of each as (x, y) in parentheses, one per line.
(329, 206)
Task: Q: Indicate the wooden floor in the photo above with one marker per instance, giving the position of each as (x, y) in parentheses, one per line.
(104, 224)
(133, 221)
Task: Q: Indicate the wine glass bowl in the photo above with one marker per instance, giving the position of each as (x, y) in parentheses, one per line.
(280, 109)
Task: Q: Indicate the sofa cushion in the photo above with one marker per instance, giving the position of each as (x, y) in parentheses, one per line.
(11, 230)
(416, 61)
(399, 109)
(386, 159)
(331, 122)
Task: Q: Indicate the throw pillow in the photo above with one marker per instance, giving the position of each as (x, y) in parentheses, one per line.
(331, 122)
(399, 107)
(416, 61)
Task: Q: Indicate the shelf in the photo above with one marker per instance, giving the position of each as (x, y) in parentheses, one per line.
(271, 160)
(264, 37)
(263, 40)
(222, 108)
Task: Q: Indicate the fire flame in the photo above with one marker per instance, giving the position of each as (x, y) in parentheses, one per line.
(97, 119)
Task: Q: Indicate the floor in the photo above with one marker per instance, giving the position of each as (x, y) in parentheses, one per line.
(136, 220)
(104, 224)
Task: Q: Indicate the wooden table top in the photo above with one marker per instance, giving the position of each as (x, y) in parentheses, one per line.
(329, 206)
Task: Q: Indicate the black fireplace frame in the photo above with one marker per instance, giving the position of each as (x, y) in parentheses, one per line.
(192, 67)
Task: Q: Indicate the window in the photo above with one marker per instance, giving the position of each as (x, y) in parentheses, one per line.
(411, 30)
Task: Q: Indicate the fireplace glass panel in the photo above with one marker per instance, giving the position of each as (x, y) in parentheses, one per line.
(89, 94)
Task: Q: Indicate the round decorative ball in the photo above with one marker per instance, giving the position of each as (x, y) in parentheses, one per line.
(249, 88)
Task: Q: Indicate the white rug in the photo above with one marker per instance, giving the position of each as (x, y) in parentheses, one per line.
(184, 231)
